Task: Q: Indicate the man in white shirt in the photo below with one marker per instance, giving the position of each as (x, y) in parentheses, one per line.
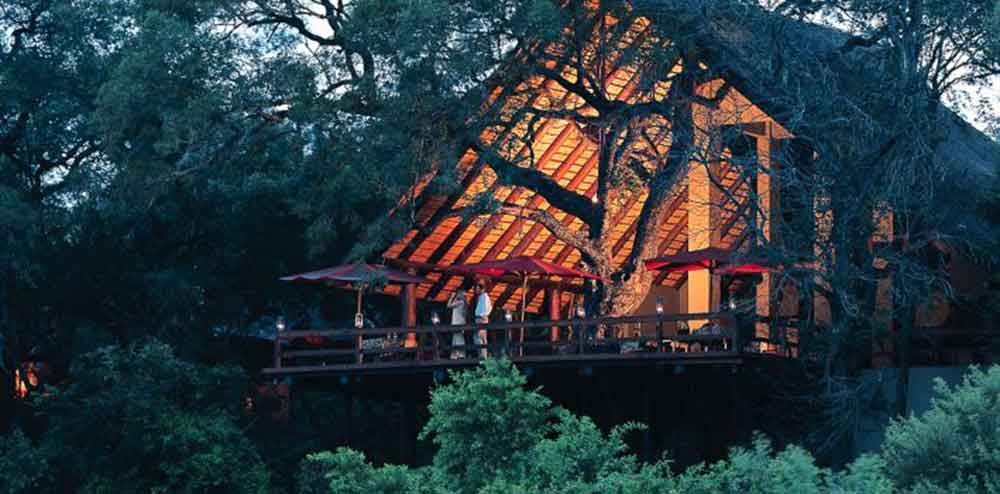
(484, 306)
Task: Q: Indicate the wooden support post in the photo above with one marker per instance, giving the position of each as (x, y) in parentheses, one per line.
(554, 297)
(737, 328)
(409, 309)
(349, 413)
(277, 351)
(647, 417)
(407, 431)
(703, 230)
(766, 210)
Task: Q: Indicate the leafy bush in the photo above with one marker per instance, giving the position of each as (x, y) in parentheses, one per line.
(954, 446)
(484, 424)
(21, 465)
(496, 437)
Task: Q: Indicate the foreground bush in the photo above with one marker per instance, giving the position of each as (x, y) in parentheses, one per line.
(21, 465)
(494, 436)
(955, 446)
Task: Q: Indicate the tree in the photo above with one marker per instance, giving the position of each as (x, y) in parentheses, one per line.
(138, 419)
(49, 155)
(122, 124)
(889, 174)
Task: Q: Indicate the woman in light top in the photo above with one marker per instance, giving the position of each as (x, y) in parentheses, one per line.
(484, 306)
(457, 304)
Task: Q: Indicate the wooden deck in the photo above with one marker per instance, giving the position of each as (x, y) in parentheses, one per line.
(582, 343)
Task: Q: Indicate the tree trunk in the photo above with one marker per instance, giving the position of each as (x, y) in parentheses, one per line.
(625, 296)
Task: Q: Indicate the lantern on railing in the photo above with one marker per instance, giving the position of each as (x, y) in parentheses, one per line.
(359, 320)
(279, 324)
(508, 315)
(435, 318)
(732, 303)
(659, 305)
(581, 312)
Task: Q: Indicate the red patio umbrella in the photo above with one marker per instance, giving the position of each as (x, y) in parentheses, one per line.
(721, 261)
(694, 260)
(715, 260)
(746, 267)
(359, 275)
(524, 266)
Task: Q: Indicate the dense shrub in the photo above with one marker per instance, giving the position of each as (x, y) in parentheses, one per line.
(22, 467)
(954, 446)
(141, 420)
(494, 436)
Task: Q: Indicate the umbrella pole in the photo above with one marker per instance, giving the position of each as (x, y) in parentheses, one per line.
(524, 305)
(524, 296)
(359, 318)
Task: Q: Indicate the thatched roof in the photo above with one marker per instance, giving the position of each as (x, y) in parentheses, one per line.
(741, 40)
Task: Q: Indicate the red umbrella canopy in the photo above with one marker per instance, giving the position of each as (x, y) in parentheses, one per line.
(694, 260)
(722, 261)
(523, 266)
(358, 272)
(746, 267)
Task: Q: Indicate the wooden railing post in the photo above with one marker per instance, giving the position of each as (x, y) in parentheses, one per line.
(659, 333)
(409, 309)
(582, 336)
(359, 347)
(554, 298)
(737, 337)
(437, 343)
(506, 342)
(279, 327)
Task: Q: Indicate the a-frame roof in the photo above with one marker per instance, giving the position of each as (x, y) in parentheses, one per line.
(562, 151)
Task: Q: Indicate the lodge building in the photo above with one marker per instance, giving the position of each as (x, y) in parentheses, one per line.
(546, 158)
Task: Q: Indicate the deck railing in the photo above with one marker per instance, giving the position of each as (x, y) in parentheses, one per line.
(570, 339)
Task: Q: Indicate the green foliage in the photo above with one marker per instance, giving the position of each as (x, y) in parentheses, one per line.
(866, 474)
(484, 424)
(557, 452)
(354, 475)
(312, 477)
(141, 420)
(760, 470)
(954, 446)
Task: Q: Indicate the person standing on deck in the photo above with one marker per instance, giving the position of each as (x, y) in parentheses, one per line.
(456, 302)
(484, 306)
